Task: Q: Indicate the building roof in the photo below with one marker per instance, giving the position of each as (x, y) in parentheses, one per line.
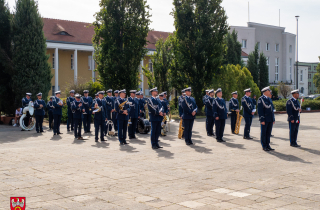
(66, 31)
(243, 54)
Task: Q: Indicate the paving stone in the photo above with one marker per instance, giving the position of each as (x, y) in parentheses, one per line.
(191, 204)
(239, 194)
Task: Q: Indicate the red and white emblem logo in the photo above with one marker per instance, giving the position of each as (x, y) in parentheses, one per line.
(17, 203)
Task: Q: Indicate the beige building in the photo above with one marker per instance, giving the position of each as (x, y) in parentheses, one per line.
(69, 45)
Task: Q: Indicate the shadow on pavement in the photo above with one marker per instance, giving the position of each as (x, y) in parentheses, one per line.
(56, 137)
(232, 145)
(290, 158)
(313, 151)
(102, 145)
(128, 148)
(164, 153)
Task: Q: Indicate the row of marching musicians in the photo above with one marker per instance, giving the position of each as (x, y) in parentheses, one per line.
(216, 113)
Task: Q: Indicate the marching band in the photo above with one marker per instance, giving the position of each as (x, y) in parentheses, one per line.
(123, 115)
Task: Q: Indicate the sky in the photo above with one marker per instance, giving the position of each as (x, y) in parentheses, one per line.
(261, 11)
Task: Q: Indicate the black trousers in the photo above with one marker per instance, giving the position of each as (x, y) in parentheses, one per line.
(77, 124)
(266, 134)
(294, 128)
(122, 132)
(247, 126)
(70, 119)
(50, 119)
(99, 124)
(86, 122)
(56, 123)
(233, 121)
(155, 133)
(210, 124)
(188, 125)
(114, 120)
(26, 119)
(132, 127)
(39, 122)
(220, 124)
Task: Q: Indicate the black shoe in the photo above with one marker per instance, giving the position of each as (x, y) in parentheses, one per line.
(121, 143)
(103, 140)
(68, 130)
(249, 137)
(155, 148)
(209, 134)
(60, 133)
(213, 134)
(159, 147)
(72, 129)
(296, 145)
(244, 137)
(187, 143)
(269, 148)
(41, 131)
(266, 149)
(126, 142)
(221, 140)
(38, 131)
(272, 136)
(191, 143)
(96, 140)
(233, 132)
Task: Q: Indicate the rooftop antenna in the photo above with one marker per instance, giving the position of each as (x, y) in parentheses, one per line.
(248, 12)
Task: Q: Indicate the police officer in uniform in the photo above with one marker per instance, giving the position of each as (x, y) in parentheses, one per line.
(180, 99)
(87, 103)
(234, 108)
(122, 117)
(220, 114)
(109, 108)
(293, 111)
(57, 113)
(164, 104)
(204, 99)
(70, 99)
(209, 113)
(266, 117)
(155, 114)
(99, 112)
(96, 95)
(77, 110)
(39, 106)
(115, 114)
(50, 111)
(133, 114)
(190, 109)
(248, 112)
(25, 103)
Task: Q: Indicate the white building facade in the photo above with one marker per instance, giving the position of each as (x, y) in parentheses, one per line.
(276, 44)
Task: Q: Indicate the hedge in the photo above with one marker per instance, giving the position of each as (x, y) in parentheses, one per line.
(280, 105)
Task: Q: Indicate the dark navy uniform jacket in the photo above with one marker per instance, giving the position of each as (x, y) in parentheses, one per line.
(220, 108)
(76, 110)
(209, 106)
(155, 107)
(122, 116)
(247, 106)
(189, 105)
(180, 105)
(87, 103)
(164, 106)
(102, 114)
(142, 102)
(109, 105)
(50, 106)
(134, 107)
(204, 100)
(38, 110)
(25, 102)
(254, 102)
(57, 108)
(265, 109)
(293, 107)
(69, 102)
(233, 105)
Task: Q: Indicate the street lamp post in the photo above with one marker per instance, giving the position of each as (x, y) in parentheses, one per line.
(297, 79)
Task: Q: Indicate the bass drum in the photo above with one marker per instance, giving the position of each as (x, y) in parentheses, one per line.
(144, 126)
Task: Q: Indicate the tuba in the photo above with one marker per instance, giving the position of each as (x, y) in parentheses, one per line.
(32, 121)
(181, 129)
(238, 123)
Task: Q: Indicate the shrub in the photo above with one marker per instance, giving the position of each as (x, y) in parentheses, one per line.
(318, 98)
(280, 105)
(274, 90)
(93, 88)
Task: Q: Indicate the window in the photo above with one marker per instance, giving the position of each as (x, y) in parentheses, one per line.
(72, 61)
(290, 64)
(276, 70)
(267, 47)
(244, 43)
(268, 63)
(309, 76)
(90, 63)
(301, 76)
(258, 43)
(290, 49)
(150, 65)
(315, 68)
(309, 68)
(53, 60)
(309, 84)
(277, 47)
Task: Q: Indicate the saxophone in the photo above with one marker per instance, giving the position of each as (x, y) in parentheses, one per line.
(181, 129)
(163, 126)
(238, 123)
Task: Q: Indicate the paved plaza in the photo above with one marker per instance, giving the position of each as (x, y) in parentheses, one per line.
(61, 173)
